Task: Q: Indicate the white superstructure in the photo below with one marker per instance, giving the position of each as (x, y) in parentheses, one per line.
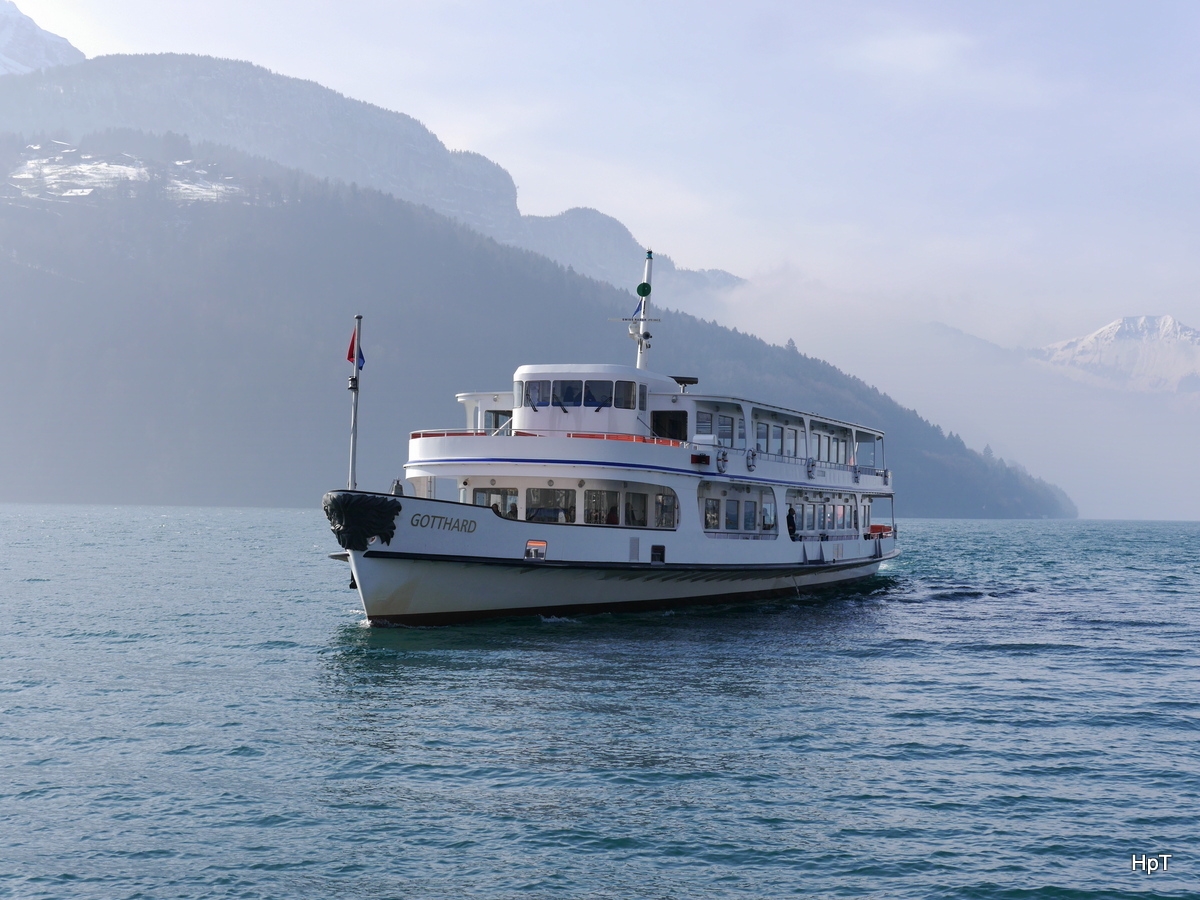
(590, 488)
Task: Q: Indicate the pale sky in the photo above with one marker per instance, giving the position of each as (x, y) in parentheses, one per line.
(1025, 171)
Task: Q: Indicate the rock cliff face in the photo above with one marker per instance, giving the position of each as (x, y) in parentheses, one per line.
(1138, 353)
(25, 47)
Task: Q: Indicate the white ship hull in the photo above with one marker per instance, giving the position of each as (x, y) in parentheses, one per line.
(451, 562)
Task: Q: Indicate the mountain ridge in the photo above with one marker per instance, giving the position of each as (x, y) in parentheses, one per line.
(26, 47)
(1137, 353)
(306, 126)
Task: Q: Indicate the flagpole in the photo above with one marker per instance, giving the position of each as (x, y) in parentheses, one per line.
(352, 483)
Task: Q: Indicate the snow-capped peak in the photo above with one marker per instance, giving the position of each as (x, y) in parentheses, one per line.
(25, 47)
(1143, 353)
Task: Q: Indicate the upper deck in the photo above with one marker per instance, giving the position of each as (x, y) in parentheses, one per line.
(552, 407)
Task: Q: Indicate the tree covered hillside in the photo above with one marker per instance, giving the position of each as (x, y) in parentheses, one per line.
(156, 349)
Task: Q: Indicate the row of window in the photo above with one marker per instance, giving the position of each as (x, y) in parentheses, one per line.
(768, 438)
(739, 515)
(637, 509)
(827, 516)
(566, 394)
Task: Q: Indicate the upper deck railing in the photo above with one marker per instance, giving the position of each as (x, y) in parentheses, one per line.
(810, 463)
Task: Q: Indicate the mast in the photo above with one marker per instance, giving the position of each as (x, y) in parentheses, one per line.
(355, 355)
(641, 315)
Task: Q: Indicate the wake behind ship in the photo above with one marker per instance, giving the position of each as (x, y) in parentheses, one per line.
(602, 488)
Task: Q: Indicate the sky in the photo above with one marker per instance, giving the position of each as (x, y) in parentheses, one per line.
(1023, 171)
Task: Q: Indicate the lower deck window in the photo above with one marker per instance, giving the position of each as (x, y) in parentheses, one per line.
(600, 507)
(635, 510)
(731, 515)
(712, 514)
(750, 515)
(503, 501)
(664, 510)
(549, 505)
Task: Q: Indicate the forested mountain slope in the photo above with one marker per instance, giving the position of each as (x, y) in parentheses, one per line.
(156, 349)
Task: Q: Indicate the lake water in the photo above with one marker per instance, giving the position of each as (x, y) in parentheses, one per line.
(193, 707)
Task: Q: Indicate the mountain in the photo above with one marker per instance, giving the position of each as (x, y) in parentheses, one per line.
(25, 47)
(1142, 353)
(305, 126)
(178, 335)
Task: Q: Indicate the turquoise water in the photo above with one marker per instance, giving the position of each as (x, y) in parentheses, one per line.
(192, 707)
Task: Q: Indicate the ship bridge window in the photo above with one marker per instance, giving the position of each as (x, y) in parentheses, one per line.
(642, 397)
(598, 394)
(725, 431)
(519, 393)
(537, 393)
(549, 505)
(626, 395)
(567, 393)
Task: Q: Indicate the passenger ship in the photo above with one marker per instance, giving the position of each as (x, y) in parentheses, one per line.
(603, 488)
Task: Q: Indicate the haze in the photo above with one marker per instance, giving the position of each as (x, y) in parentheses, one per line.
(1021, 171)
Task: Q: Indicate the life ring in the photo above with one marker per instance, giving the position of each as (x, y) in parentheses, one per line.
(751, 459)
(722, 460)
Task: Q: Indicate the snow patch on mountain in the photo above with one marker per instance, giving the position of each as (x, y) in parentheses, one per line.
(1138, 353)
(59, 171)
(25, 47)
